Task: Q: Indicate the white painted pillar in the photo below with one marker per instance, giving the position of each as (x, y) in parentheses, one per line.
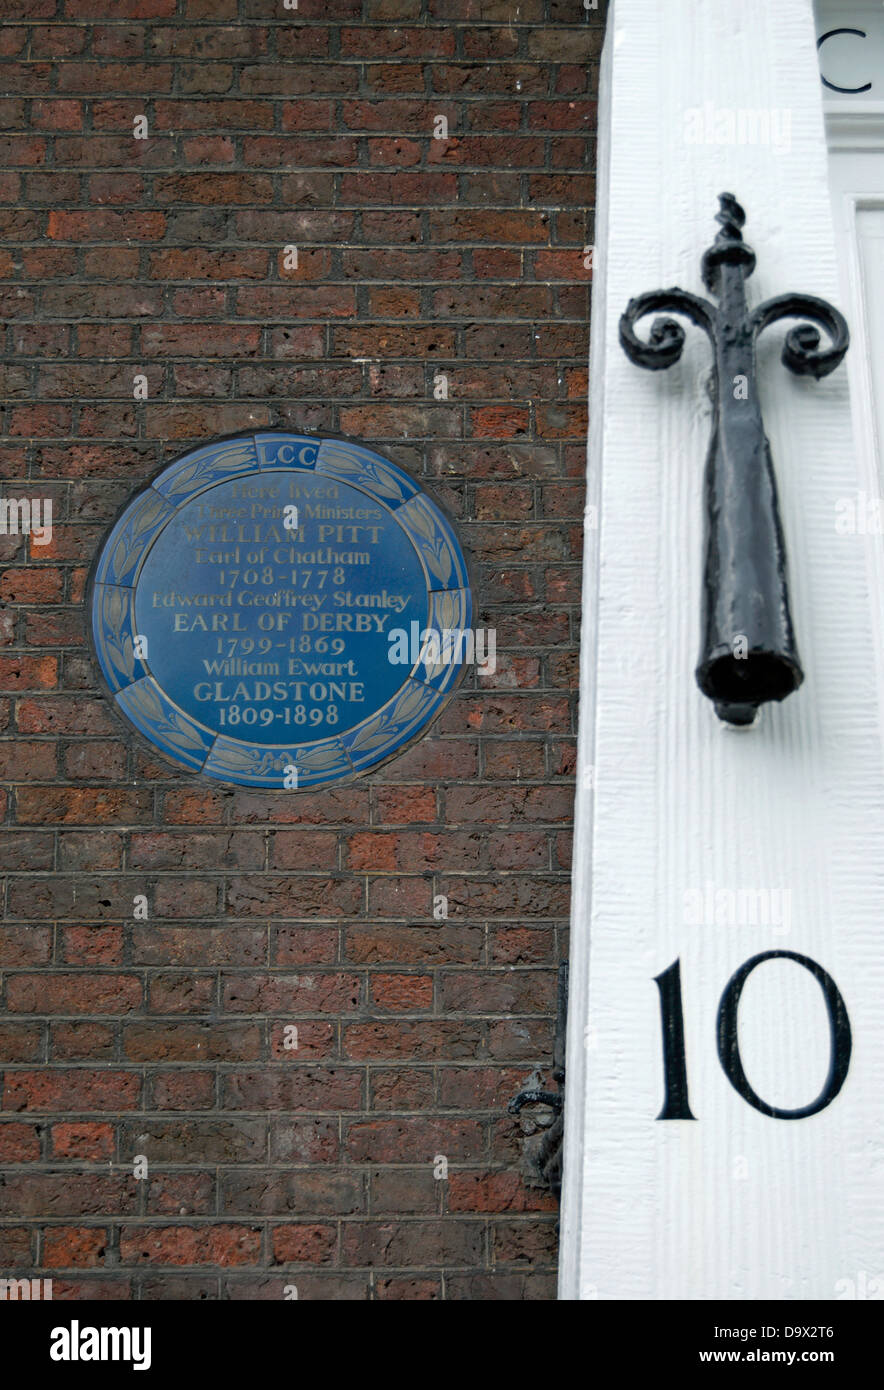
(673, 806)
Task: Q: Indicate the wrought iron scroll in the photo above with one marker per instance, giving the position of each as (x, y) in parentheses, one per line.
(748, 651)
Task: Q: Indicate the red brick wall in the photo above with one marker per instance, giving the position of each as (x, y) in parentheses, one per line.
(267, 127)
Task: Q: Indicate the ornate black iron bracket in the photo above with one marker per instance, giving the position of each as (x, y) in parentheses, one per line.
(549, 1155)
(748, 653)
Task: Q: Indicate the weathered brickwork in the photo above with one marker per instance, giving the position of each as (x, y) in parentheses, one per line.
(419, 259)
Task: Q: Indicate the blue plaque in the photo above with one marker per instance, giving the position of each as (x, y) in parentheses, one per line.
(281, 611)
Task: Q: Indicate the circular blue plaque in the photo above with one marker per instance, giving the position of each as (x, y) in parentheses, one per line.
(281, 611)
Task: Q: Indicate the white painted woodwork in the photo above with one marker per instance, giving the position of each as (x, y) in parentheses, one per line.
(736, 1205)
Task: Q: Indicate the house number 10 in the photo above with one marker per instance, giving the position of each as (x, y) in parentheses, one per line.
(676, 1105)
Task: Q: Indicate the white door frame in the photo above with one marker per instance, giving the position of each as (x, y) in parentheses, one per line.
(856, 170)
(738, 1204)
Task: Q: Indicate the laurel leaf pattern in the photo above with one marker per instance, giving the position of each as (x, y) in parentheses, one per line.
(363, 466)
(161, 719)
(114, 635)
(389, 724)
(209, 464)
(140, 524)
(254, 762)
(421, 520)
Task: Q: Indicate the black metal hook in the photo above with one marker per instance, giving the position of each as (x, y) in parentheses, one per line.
(748, 653)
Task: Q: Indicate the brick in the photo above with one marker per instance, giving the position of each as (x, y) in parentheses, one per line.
(157, 849)
(390, 340)
(294, 849)
(509, 805)
(19, 149)
(82, 806)
(424, 1288)
(286, 152)
(398, 896)
(304, 1139)
(101, 1288)
(503, 1287)
(413, 1140)
(203, 945)
(119, 9)
(185, 896)
(268, 896)
(278, 301)
(489, 225)
(106, 226)
(190, 340)
(189, 807)
(325, 992)
(114, 188)
(201, 1141)
(510, 896)
(74, 1247)
(213, 188)
(311, 1284)
(533, 1241)
(57, 115)
(269, 1192)
(27, 760)
(304, 1243)
(81, 1042)
(507, 992)
(224, 114)
(181, 1194)
(307, 78)
(302, 945)
(23, 946)
(16, 1246)
(181, 992)
(96, 761)
(398, 189)
(208, 41)
(191, 1041)
(401, 806)
(21, 1042)
(19, 1143)
(421, 1243)
(474, 1088)
(402, 993)
(28, 673)
(184, 1090)
(271, 1164)
(395, 116)
(308, 1040)
(89, 850)
(390, 944)
(90, 78)
(415, 1040)
(400, 1190)
(227, 1245)
(71, 1089)
(92, 945)
(64, 715)
(520, 945)
(13, 41)
(87, 1140)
